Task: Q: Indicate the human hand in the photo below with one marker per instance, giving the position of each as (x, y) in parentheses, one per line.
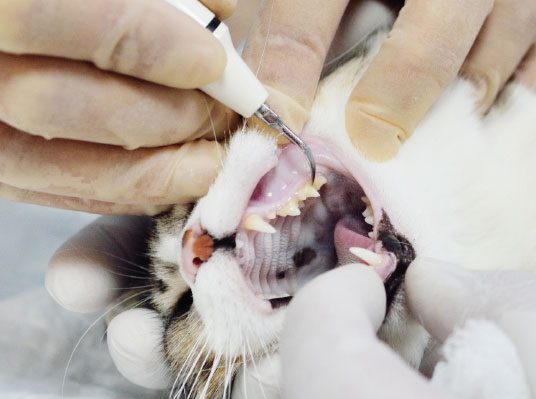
(329, 346)
(110, 82)
(430, 43)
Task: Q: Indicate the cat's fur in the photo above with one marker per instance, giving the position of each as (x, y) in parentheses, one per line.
(461, 189)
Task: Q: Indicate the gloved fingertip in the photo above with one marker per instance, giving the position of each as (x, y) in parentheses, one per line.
(79, 286)
(135, 344)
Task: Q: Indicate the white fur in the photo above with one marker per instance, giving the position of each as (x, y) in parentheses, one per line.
(461, 189)
(481, 363)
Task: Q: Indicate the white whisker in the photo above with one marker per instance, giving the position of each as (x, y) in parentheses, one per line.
(220, 155)
(212, 371)
(86, 332)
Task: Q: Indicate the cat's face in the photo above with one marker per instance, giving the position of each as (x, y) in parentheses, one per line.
(264, 230)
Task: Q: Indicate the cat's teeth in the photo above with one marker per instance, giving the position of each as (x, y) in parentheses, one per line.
(271, 215)
(257, 223)
(301, 204)
(372, 258)
(289, 209)
(371, 234)
(365, 200)
(319, 182)
(368, 211)
(370, 220)
(309, 192)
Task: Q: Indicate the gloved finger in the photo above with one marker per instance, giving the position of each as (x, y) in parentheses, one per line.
(150, 40)
(416, 62)
(329, 347)
(99, 263)
(286, 49)
(77, 204)
(527, 72)
(506, 36)
(222, 8)
(507, 298)
(57, 98)
(155, 176)
(135, 344)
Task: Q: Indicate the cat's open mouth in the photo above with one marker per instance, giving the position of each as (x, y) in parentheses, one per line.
(292, 230)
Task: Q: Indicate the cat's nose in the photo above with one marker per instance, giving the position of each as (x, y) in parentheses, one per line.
(197, 248)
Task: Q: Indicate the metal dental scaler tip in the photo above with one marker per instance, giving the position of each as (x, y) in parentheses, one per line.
(268, 116)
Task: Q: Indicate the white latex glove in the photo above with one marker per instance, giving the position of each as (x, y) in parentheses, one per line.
(91, 270)
(329, 347)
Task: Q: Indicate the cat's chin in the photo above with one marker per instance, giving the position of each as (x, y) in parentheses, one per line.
(292, 230)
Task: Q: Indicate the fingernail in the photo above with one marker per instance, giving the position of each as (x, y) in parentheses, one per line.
(376, 139)
(486, 87)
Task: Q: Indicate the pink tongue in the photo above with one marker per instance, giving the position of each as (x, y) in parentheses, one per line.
(346, 238)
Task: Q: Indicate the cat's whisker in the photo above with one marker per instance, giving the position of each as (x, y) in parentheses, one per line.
(134, 305)
(185, 364)
(93, 324)
(199, 372)
(192, 367)
(212, 371)
(132, 288)
(265, 39)
(252, 357)
(98, 251)
(220, 155)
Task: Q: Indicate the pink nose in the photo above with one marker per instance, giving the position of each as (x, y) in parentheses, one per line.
(197, 248)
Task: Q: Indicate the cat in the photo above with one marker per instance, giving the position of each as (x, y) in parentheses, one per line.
(461, 189)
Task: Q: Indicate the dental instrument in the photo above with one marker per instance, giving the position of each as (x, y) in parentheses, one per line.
(238, 88)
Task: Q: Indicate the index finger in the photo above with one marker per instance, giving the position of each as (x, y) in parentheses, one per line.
(150, 40)
(416, 62)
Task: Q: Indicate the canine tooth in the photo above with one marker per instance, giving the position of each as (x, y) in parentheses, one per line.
(371, 234)
(271, 215)
(369, 220)
(290, 209)
(368, 211)
(372, 258)
(319, 182)
(365, 200)
(257, 223)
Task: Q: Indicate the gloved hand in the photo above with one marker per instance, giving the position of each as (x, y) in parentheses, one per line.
(430, 43)
(104, 79)
(329, 347)
(492, 38)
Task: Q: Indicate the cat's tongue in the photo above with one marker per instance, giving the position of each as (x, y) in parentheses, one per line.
(347, 237)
